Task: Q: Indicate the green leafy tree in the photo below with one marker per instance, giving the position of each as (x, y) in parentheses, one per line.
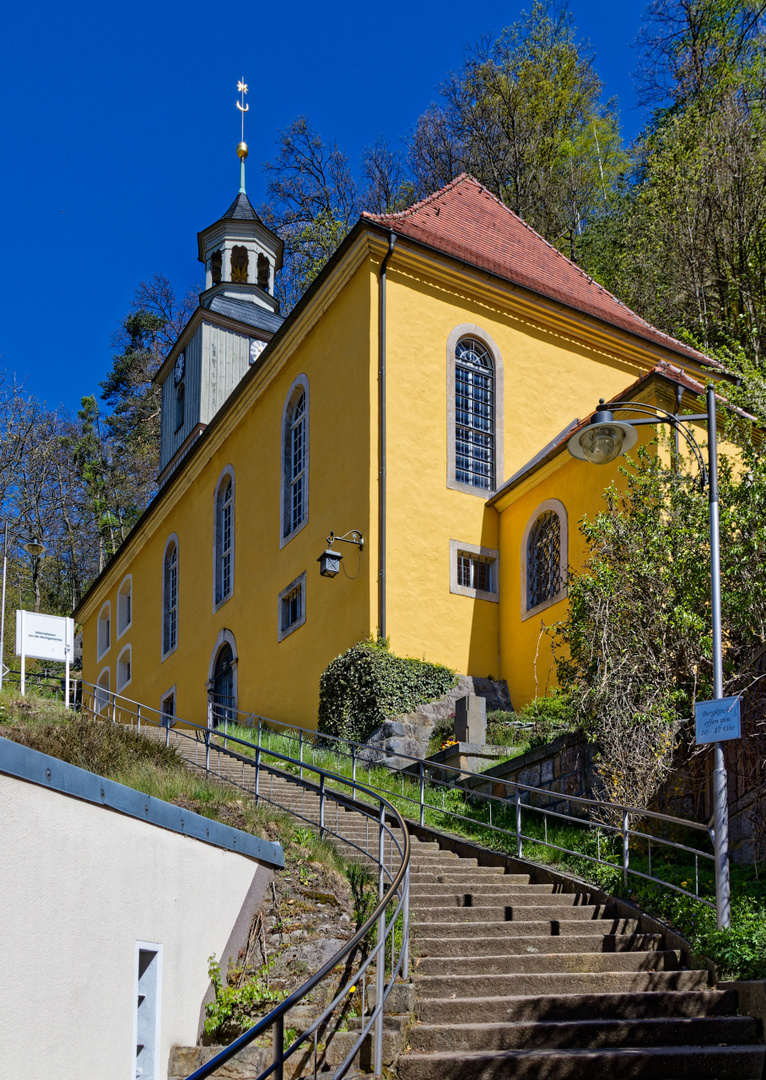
(524, 116)
(312, 204)
(634, 652)
(686, 247)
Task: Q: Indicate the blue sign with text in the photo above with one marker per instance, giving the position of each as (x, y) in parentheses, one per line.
(717, 720)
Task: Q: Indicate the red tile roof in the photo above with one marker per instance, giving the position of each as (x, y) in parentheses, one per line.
(468, 222)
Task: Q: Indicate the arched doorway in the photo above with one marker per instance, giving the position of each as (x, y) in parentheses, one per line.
(222, 695)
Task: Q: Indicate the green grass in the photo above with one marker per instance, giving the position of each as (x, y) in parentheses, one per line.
(739, 952)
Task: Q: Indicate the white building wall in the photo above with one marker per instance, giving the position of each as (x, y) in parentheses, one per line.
(79, 886)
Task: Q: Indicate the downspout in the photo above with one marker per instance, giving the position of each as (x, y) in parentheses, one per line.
(382, 440)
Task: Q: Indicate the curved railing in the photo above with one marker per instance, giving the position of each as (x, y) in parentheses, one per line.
(203, 747)
(423, 785)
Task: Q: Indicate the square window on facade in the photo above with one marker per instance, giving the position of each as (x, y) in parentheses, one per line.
(473, 571)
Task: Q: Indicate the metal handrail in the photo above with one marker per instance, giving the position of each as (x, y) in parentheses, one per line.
(514, 792)
(393, 887)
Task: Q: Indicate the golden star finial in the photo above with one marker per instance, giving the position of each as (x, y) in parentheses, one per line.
(242, 87)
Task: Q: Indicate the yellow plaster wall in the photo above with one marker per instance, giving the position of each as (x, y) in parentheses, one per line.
(277, 679)
(526, 657)
(548, 381)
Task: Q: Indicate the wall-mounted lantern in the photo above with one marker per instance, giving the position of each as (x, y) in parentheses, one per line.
(329, 561)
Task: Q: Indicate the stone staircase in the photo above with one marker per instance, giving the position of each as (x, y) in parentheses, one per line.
(527, 981)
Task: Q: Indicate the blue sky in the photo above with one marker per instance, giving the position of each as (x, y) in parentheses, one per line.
(119, 128)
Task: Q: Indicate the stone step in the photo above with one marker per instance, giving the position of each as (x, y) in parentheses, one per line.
(645, 1063)
(515, 912)
(582, 1034)
(520, 928)
(490, 886)
(621, 1005)
(463, 945)
(557, 984)
(533, 963)
(457, 876)
(483, 894)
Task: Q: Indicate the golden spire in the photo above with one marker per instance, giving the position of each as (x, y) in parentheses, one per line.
(242, 148)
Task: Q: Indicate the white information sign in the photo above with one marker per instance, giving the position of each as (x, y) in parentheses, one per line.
(44, 637)
(716, 721)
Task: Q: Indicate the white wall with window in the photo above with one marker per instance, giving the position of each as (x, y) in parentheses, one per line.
(544, 558)
(124, 672)
(294, 509)
(117, 884)
(475, 383)
(474, 571)
(224, 535)
(291, 607)
(104, 630)
(170, 596)
(124, 605)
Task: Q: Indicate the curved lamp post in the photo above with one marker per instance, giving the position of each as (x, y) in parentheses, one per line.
(602, 441)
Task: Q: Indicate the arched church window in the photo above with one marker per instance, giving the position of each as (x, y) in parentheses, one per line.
(474, 415)
(544, 559)
(263, 272)
(224, 536)
(216, 267)
(239, 260)
(170, 597)
(295, 458)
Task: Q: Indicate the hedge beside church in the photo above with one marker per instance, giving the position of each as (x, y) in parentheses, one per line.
(367, 685)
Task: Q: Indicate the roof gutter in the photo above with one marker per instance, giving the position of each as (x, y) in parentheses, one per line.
(382, 439)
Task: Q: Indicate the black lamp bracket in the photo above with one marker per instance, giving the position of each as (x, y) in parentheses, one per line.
(353, 536)
(653, 414)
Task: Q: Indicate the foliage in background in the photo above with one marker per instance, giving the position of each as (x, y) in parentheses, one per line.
(634, 651)
(239, 999)
(366, 685)
(524, 116)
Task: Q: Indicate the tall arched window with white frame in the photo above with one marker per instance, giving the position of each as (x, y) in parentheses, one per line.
(295, 459)
(224, 537)
(170, 597)
(474, 415)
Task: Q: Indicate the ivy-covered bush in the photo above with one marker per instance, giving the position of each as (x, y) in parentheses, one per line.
(367, 685)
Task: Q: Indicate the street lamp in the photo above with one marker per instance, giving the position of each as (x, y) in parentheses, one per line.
(329, 561)
(603, 440)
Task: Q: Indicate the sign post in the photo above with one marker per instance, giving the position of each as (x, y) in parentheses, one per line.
(44, 637)
(717, 721)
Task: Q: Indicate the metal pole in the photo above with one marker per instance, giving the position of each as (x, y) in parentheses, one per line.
(300, 750)
(518, 823)
(625, 847)
(720, 782)
(2, 611)
(278, 1047)
(406, 926)
(321, 806)
(422, 794)
(380, 969)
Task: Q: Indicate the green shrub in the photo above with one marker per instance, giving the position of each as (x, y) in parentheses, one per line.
(239, 1000)
(367, 684)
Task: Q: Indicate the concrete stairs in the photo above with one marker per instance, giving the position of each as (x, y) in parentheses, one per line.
(520, 980)
(526, 981)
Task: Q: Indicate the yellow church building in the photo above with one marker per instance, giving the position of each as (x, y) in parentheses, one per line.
(417, 401)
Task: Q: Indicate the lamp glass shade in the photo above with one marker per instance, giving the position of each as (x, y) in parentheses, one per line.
(329, 563)
(34, 547)
(602, 443)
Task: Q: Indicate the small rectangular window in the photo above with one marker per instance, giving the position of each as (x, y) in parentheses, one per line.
(473, 571)
(292, 607)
